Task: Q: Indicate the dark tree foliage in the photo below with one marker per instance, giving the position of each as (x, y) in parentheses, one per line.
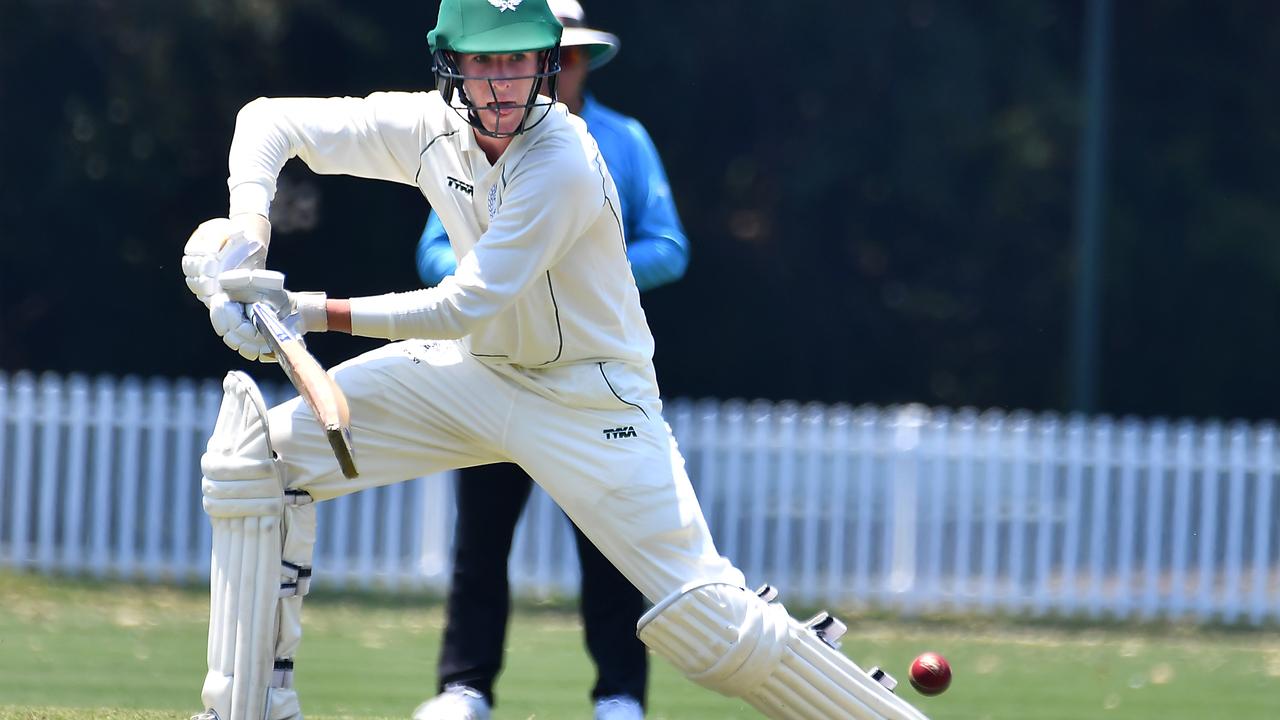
(880, 196)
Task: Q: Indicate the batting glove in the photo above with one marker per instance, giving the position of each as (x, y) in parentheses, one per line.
(232, 325)
(301, 312)
(223, 244)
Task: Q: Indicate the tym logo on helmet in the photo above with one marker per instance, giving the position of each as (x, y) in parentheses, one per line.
(620, 432)
(505, 5)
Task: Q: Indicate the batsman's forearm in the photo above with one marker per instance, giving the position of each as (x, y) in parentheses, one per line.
(434, 313)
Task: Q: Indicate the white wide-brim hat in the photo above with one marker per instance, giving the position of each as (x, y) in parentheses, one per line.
(600, 45)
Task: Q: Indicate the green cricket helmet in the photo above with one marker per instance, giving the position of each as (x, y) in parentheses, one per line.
(496, 27)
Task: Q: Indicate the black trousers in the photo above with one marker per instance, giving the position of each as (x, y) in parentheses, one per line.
(490, 499)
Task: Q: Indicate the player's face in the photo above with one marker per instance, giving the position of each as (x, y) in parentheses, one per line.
(499, 85)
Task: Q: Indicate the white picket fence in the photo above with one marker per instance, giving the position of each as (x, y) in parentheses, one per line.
(910, 508)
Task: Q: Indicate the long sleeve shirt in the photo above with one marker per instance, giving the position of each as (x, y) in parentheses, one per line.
(656, 243)
(542, 277)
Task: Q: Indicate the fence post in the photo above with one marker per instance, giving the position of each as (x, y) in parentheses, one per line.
(704, 437)
(77, 460)
(391, 521)
(1048, 504)
(24, 418)
(1237, 461)
(127, 509)
(839, 426)
(1072, 546)
(762, 429)
(183, 480)
(48, 492)
(103, 463)
(966, 429)
(1100, 516)
(1130, 432)
(733, 439)
(1183, 454)
(1157, 449)
(937, 495)
(993, 466)
(210, 402)
(366, 502)
(867, 424)
(1207, 531)
(4, 436)
(1019, 510)
(157, 479)
(813, 497)
(903, 489)
(1263, 518)
(435, 528)
(780, 568)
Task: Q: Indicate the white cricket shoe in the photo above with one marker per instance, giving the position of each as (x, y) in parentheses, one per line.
(457, 702)
(619, 707)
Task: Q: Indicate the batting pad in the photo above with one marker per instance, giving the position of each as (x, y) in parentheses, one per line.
(260, 567)
(730, 640)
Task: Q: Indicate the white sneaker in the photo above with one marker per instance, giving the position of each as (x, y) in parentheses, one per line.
(619, 707)
(457, 702)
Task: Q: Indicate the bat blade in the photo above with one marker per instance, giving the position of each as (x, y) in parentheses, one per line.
(321, 394)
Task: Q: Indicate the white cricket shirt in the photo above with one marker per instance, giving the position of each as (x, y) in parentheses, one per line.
(542, 278)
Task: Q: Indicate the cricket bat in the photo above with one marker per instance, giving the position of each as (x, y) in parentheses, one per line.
(327, 402)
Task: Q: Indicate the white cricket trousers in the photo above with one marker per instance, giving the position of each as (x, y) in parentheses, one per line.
(591, 434)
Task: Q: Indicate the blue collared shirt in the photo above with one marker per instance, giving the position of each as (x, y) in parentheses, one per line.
(656, 244)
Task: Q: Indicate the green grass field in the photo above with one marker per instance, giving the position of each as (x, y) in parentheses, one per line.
(73, 650)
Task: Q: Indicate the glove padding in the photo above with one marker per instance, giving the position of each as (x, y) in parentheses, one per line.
(223, 244)
(232, 324)
(300, 312)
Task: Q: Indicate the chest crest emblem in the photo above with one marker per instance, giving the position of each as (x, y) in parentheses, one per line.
(493, 195)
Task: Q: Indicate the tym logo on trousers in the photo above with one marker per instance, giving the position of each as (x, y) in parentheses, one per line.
(457, 184)
(621, 432)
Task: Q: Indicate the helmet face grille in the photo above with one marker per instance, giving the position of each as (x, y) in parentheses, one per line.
(449, 81)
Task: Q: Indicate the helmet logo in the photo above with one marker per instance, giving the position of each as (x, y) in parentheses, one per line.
(505, 5)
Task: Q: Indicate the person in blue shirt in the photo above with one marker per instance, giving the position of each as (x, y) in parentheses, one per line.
(490, 498)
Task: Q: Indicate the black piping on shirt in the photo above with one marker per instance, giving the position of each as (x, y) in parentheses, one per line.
(423, 154)
(615, 392)
(559, 330)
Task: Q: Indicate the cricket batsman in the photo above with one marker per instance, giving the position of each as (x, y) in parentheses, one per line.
(535, 351)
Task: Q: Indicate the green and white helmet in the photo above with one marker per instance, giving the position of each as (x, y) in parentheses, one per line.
(495, 26)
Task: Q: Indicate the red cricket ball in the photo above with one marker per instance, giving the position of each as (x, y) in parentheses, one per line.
(930, 674)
